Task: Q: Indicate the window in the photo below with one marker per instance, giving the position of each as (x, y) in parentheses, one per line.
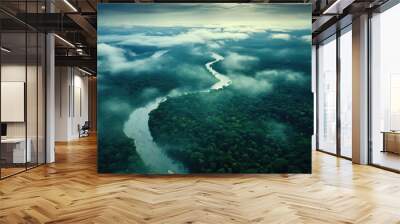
(327, 95)
(346, 92)
(385, 89)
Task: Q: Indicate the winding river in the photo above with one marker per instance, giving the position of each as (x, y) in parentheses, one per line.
(137, 128)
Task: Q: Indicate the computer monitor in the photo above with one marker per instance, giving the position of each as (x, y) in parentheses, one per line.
(3, 129)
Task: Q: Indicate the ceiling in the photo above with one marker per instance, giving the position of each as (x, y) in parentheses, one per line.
(331, 15)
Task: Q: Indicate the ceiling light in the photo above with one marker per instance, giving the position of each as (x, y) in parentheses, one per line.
(337, 7)
(84, 71)
(79, 51)
(70, 5)
(5, 50)
(65, 41)
(334, 5)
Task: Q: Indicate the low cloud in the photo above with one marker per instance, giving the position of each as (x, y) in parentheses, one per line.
(287, 75)
(111, 54)
(251, 85)
(306, 38)
(214, 45)
(197, 51)
(192, 36)
(149, 93)
(281, 36)
(116, 105)
(245, 29)
(194, 76)
(263, 82)
(235, 61)
(114, 60)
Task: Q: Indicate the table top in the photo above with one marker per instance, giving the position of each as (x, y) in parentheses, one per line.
(13, 140)
(391, 132)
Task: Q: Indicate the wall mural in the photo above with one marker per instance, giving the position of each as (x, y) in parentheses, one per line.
(204, 88)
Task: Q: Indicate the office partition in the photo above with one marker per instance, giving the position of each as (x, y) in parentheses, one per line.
(22, 77)
(327, 95)
(334, 91)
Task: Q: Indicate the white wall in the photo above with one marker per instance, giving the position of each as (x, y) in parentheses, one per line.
(17, 73)
(80, 109)
(33, 127)
(62, 81)
(71, 102)
(314, 91)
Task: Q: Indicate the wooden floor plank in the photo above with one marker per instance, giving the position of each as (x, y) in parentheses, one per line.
(71, 191)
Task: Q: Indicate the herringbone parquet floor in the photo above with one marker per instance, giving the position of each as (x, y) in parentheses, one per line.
(70, 191)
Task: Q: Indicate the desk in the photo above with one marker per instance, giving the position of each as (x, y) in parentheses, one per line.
(391, 141)
(14, 150)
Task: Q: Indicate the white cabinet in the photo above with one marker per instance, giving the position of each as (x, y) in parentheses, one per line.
(19, 155)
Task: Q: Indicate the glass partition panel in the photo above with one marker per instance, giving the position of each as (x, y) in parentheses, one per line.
(32, 95)
(22, 101)
(385, 89)
(15, 151)
(346, 93)
(41, 99)
(327, 95)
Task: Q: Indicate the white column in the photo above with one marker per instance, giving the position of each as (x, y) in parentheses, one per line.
(50, 92)
(50, 100)
(360, 90)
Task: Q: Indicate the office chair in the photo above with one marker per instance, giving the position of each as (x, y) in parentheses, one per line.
(84, 130)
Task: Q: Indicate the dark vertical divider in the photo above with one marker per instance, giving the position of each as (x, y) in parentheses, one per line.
(1, 53)
(317, 96)
(338, 81)
(37, 90)
(26, 86)
(369, 125)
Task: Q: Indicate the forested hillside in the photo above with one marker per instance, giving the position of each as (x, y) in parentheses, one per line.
(224, 131)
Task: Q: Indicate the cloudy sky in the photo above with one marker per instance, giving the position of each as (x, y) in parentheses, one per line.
(224, 15)
(260, 42)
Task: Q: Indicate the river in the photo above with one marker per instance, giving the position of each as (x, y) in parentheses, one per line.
(137, 128)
